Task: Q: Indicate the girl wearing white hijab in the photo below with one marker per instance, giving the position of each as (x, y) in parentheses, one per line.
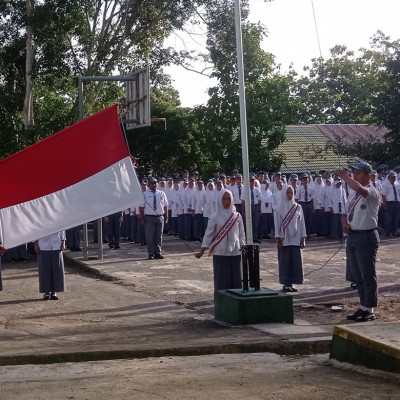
(224, 237)
(290, 233)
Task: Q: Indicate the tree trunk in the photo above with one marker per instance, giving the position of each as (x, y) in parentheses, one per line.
(28, 101)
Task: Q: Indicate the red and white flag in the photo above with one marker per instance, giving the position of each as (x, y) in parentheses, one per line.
(77, 175)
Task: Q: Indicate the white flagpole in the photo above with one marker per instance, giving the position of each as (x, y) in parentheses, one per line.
(243, 122)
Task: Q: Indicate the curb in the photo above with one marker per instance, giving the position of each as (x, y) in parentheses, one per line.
(281, 348)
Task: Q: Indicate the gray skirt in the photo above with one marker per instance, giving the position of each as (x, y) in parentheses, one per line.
(51, 271)
(227, 272)
(290, 262)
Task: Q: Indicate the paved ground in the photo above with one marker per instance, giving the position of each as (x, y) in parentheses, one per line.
(164, 309)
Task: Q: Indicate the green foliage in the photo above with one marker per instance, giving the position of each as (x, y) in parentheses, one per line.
(73, 38)
(269, 105)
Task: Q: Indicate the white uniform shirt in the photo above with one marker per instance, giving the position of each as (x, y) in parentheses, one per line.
(266, 201)
(160, 202)
(365, 214)
(51, 242)
(199, 200)
(301, 193)
(236, 193)
(236, 237)
(256, 195)
(387, 190)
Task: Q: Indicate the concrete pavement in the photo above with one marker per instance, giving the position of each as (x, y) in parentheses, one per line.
(126, 306)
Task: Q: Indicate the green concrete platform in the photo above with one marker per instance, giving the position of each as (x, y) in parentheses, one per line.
(373, 345)
(243, 308)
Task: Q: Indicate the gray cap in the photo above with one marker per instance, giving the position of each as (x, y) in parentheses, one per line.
(362, 166)
(294, 176)
(152, 179)
(391, 174)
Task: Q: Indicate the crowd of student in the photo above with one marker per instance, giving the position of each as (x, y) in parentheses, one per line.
(184, 204)
(323, 198)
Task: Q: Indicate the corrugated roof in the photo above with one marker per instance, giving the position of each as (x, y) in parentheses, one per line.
(307, 147)
(351, 133)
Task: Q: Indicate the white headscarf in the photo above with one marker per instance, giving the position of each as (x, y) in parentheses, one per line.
(283, 208)
(223, 215)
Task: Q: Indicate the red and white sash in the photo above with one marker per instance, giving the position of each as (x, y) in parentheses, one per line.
(352, 206)
(219, 236)
(288, 217)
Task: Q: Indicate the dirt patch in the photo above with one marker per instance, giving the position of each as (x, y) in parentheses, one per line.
(388, 310)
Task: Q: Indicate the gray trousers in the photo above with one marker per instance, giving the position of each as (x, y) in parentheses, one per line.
(154, 227)
(361, 250)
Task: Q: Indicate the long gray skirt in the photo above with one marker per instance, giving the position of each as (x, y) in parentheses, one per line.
(51, 271)
(227, 272)
(290, 260)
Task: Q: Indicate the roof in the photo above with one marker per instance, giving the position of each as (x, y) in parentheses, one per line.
(310, 148)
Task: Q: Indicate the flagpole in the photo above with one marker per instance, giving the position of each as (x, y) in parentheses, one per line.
(243, 122)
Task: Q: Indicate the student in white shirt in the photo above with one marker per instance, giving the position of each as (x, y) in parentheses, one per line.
(225, 247)
(51, 264)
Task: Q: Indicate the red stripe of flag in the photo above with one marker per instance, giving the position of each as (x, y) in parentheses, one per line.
(63, 159)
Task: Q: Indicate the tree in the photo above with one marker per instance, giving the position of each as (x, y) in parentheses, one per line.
(269, 105)
(340, 89)
(47, 42)
(387, 101)
(170, 147)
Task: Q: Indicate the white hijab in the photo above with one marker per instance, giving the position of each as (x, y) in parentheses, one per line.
(223, 215)
(283, 208)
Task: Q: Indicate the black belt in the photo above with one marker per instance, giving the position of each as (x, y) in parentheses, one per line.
(305, 202)
(147, 215)
(365, 231)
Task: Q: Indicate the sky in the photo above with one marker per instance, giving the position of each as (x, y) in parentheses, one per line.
(292, 36)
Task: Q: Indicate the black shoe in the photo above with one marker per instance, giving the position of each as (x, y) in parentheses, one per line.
(365, 316)
(294, 289)
(116, 248)
(353, 285)
(287, 289)
(54, 296)
(150, 257)
(159, 257)
(46, 296)
(356, 314)
(111, 247)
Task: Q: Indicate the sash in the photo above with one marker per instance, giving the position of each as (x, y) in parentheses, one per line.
(289, 216)
(219, 236)
(352, 206)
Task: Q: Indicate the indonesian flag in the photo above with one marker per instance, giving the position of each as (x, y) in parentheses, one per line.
(77, 175)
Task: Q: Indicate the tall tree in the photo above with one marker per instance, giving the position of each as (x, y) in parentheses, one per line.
(59, 40)
(339, 89)
(269, 105)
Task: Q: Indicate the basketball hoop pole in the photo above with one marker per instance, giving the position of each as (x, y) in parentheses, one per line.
(143, 103)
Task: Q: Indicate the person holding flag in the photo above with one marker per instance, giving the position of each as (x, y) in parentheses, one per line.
(224, 238)
(290, 233)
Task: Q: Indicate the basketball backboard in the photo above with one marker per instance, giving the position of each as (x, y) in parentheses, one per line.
(138, 99)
